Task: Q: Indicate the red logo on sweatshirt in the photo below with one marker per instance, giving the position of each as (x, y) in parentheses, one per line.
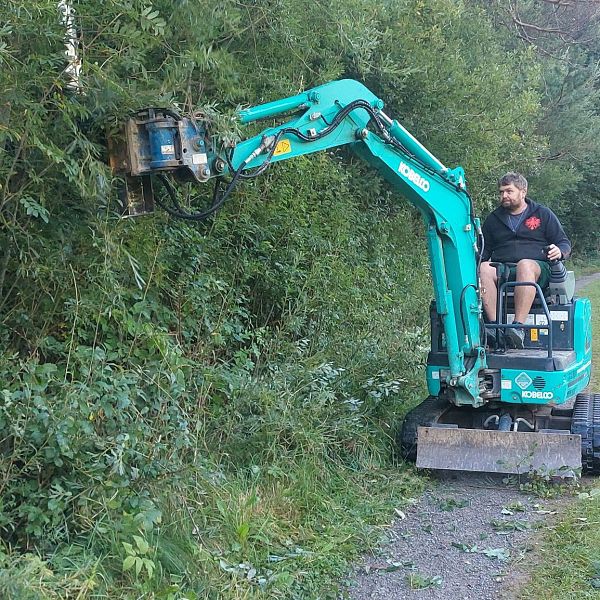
(533, 223)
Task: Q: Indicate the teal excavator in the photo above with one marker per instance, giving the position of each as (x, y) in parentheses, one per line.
(489, 409)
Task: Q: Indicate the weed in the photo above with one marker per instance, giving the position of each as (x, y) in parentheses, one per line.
(137, 558)
(548, 485)
(513, 508)
(505, 527)
(502, 554)
(450, 504)
(595, 578)
(417, 581)
(466, 547)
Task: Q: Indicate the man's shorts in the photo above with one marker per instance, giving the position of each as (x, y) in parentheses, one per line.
(544, 275)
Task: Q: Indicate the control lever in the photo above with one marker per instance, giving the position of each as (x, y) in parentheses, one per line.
(558, 272)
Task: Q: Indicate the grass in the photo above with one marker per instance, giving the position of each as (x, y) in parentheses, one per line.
(593, 293)
(584, 266)
(568, 563)
(240, 526)
(255, 536)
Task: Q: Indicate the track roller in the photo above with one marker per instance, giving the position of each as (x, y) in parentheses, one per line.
(425, 414)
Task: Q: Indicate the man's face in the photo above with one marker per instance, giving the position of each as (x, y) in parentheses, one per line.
(511, 197)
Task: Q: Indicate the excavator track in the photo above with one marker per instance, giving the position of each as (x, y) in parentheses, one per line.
(425, 414)
(586, 423)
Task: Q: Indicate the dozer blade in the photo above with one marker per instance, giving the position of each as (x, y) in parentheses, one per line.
(486, 451)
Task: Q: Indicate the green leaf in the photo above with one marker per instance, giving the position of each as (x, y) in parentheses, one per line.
(128, 548)
(139, 563)
(149, 566)
(499, 553)
(128, 562)
(34, 208)
(243, 531)
(418, 581)
(141, 543)
(466, 547)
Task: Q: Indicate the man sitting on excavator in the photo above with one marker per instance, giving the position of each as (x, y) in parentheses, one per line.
(528, 234)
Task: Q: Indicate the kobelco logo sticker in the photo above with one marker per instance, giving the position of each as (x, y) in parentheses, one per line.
(537, 395)
(523, 380)
(413, 176)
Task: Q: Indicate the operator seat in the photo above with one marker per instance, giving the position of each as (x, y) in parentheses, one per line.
(557, 305)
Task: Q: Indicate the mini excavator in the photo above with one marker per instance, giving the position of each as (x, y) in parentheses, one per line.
(489, 409)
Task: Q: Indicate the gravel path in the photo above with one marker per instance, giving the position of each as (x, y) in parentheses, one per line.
(463, 539)
(581, 282)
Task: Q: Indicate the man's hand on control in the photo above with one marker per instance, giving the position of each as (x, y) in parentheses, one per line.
(553, 252)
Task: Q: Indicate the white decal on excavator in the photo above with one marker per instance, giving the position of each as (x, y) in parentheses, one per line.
(538, 395)
(413, 176)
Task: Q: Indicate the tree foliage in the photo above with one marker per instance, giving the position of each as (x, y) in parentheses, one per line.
(564, 38)
(206, 409)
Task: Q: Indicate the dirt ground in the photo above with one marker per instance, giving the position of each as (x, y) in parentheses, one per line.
(581, 282)
(463, 539)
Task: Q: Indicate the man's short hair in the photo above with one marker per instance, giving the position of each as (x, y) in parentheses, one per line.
(513, 178)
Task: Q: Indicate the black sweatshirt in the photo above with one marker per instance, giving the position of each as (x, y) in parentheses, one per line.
(539, 226)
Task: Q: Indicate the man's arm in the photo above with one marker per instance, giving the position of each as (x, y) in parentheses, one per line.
(487, 240)
(556, 235)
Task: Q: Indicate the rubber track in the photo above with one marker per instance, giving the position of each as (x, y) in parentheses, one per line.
(425, 414)
(586, 423)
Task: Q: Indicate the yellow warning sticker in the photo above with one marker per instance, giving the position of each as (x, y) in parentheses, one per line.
(283, 147)
(534, 335)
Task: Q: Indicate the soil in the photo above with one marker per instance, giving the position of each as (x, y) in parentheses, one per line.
(465, 538)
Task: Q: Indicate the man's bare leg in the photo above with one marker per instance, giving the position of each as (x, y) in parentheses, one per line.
(527, 270)
(489, 290)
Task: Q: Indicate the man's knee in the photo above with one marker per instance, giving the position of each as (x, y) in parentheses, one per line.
(528, 270)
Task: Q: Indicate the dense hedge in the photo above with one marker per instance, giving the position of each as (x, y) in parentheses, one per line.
(205, 410)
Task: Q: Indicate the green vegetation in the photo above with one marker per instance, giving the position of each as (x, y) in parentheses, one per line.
(593, 293)
(205, 411)
(568, 562)
(585, 266)
(569, 559)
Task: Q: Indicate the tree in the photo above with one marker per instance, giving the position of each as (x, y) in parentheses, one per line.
(564, 35)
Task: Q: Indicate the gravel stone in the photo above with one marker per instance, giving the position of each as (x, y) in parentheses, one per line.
(439, 542)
